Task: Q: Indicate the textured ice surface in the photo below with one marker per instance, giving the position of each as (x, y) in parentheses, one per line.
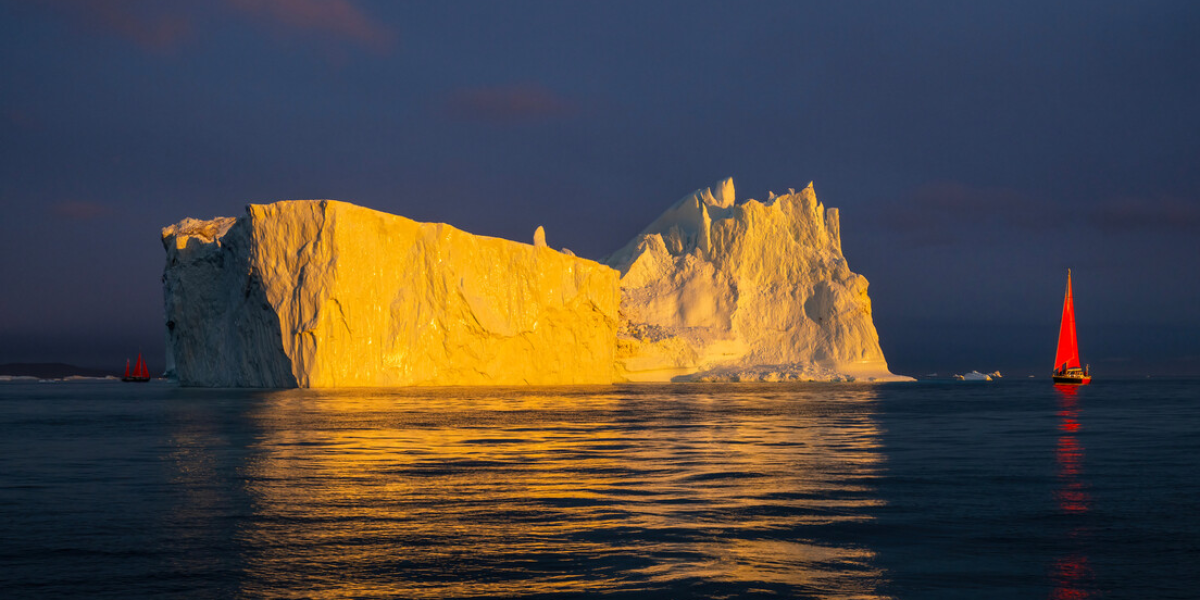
(319, 293)
(758, 291)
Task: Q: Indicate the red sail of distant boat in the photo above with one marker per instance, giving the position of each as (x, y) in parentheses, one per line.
(140, 371)
(1068, 346)
(1066, 359)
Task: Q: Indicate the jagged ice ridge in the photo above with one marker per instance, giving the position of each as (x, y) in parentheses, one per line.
(716, 290)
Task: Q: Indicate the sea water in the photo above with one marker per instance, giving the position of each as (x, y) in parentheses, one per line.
(1004, 489)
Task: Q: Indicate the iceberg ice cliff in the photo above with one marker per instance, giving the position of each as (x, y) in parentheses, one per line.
(320, 293)
(759, 291)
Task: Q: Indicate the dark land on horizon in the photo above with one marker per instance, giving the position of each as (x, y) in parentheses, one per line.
(53, 370)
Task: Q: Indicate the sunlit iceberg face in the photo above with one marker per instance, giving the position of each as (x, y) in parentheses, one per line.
(328, 294)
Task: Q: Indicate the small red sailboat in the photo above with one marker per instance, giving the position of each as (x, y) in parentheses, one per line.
(141, 373)
(1066, 359)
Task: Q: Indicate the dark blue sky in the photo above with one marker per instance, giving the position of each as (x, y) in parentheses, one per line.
(976, 150)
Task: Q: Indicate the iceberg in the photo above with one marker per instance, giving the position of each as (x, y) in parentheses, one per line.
(321, 293)
(973, 376)
(715, 290)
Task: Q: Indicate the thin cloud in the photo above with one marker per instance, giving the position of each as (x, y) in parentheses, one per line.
(80, 210)
(939, 213)
(339, 18)
(1127, 215)
(158, 26)
(943, 213)
(507, 104)
(22, 119)
(151, 25)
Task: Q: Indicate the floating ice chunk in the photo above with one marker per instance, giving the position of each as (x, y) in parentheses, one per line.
(973, 376)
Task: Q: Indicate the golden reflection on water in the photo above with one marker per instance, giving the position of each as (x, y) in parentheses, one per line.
(501, 492)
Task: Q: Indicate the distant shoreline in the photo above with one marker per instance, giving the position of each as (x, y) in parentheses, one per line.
(53, 371)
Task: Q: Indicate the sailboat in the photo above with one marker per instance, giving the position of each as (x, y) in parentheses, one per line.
(141, 373)
(1066, 359)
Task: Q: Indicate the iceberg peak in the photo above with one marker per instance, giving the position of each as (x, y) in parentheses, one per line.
(686, 225)
(721, 195)
(713, 289)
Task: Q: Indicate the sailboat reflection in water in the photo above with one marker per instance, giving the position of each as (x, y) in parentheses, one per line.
(1071, 574)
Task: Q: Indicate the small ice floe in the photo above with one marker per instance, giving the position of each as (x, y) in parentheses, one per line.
(973, 376)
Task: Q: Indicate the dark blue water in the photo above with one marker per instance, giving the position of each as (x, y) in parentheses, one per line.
(1009, 489)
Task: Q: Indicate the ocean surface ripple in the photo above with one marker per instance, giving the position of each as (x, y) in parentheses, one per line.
(928, 490)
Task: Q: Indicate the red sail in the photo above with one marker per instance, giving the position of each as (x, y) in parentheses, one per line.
(127, 368)
(140, 369)
(1067, 355)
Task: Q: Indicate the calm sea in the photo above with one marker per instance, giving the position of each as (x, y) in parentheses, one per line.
(1009, 489)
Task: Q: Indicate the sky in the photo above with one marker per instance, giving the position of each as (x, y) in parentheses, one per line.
(976, 151)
